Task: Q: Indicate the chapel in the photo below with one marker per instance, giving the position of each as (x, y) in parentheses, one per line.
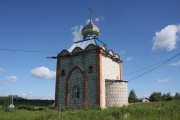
(88, 74)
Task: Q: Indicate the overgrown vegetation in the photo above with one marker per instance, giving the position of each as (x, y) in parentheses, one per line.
(30, 102)
(158, 96)
(141, 111)
(154, 97)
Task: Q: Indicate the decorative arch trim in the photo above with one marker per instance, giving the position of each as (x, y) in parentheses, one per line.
(104, 47)
(63, 52)
(117, 56)
(84, 84)
(77, 49)
(90, 47)
(111, 52)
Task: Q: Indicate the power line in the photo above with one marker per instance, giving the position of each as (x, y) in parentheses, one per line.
(39, 51)
(157, 65)
(149, 53)
(154, 67)
(29, 51)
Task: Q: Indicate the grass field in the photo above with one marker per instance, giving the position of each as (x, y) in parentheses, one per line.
(142, 111)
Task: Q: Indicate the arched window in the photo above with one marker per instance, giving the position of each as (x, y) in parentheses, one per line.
(63, 73)
(76, 92)
(90, 69)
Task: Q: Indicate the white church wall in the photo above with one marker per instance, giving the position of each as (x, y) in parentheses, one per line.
(110, 70)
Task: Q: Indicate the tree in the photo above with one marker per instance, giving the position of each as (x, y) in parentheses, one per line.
(132, 97)
(167, 97)
(177, 96)
(156, 96)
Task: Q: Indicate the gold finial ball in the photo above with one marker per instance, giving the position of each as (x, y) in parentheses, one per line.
(90, 29)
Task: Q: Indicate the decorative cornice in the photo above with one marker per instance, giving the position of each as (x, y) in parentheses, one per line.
(90, 48)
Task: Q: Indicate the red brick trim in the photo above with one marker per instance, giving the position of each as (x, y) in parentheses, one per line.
(120, 64)
(84, 85)
(57, 81)
(67, 92)
(99, 78)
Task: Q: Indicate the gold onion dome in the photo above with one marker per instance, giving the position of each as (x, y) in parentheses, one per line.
(90, 28)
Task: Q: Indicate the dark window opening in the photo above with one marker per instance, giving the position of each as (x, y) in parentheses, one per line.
(63, 73)
(90, 69)
(76, 92)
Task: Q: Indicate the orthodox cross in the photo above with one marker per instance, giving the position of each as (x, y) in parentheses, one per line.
(90, 13)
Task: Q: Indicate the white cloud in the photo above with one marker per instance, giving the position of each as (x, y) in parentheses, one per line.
(102, 17)
(43, 73)
(147, 95)
(1, 70)
(3, 90)
(11, 79)
(98, 19)
(26, 95)
(163, 81)
(30, 95)
(129, 58)
(167, 38)
(76, 31)
(87, 21)
(175, 64)
(3, 82)
(122, 52)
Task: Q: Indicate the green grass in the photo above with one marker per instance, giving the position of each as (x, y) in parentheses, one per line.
(146, 111)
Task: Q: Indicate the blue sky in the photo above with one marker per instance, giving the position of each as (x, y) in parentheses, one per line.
(42, 28)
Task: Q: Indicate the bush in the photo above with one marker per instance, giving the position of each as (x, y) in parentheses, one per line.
(5, 105)
(31, 108)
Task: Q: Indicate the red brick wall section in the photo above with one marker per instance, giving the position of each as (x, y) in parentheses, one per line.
(84, 85)
(99, 79)
(57, 81)
(67, 92)
(120, 69)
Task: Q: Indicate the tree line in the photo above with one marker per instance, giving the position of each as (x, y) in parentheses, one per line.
(154, 97)
(23, 101)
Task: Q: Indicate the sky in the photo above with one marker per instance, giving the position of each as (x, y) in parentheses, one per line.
(146, 34)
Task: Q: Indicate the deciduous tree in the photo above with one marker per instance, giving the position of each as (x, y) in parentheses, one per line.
(177, 96)
(167, 97)
(156, 96)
